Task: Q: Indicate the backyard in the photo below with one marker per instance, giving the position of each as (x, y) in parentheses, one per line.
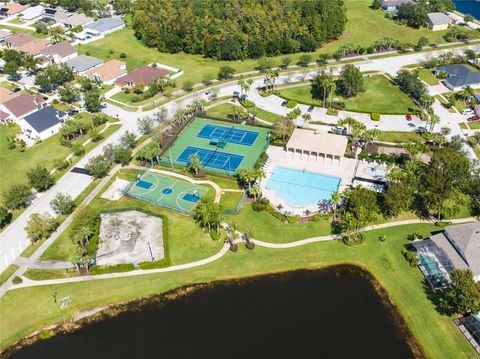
(364, 26)
(380, 95)
(436, 333)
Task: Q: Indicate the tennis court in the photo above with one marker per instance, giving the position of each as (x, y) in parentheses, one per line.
(228, 134)
(167, 192)
(221, 147)
(215, 159)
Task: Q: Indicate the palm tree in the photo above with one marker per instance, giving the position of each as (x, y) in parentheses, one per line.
(195, 164)
(255, 192)
(334, 202)
(248, 238)
(434, 119)
(306, 117)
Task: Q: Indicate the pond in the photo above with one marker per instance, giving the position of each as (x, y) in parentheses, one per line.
(329, 313)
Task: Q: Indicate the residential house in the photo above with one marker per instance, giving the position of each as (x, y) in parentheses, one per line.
(457, 247)
(4, 33)
(76, 20)
(145, 75)
(103, 27)
(459, 76)
(43, 123)
(56, 14)
(21, 105)
(60, 52)
(81, 64)
(392, 6)
(108, 72)
(32, 13)
(12, 9)
(35, 47)
(438, 21)
(6, 95)
(17, 40)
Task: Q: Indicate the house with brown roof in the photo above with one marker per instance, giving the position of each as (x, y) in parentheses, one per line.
(17, 40)
(108, 72)
(35, 47)
(145, 75)
(22, 105)
(12, 9)
(60, 52)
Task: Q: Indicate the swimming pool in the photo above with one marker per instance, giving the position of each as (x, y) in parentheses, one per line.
(301, 188)
(430, 265)
(376, 171)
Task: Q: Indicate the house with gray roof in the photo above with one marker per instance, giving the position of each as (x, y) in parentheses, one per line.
(104, 26)
(457, 247)
(438, 21)
(42, 123)
(459, 76)
(81, 64)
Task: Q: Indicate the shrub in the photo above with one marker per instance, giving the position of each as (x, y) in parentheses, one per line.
(60, 164)
(55, 101)
(17, 280)
(382, 238)
(78, 150)
(332, 111)
(292, 219)
(375, 116)
(123, 55)
(291, 103)
(64, 142)
(384, 157)
(162, 263)
(260, 204)
(216, 235)
(281, 217)
(123, 267)
(247, 103)
(364, 155)
(409, 257)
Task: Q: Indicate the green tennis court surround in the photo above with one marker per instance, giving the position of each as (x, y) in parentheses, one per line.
(221, 147)
(169, 192)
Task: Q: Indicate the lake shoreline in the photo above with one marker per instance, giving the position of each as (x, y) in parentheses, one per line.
(87, 317)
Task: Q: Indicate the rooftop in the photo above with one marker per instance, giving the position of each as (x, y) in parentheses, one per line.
(18, 40)
(45, 118)
(32, 12)
(145, 74)
(34, 47)
(6, 95)
(108, 71)
(318, 142)
(83, 63)
(62, 49)
(438, 18)
(23, 104)
(14, 8)
(103, 25)
(77, 19)
(460, 75)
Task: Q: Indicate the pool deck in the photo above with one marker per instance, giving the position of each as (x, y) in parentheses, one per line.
(278, 157)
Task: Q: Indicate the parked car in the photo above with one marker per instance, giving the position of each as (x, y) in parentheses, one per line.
(284, 103)
(310, 109)
(467, 111)
(474, 118)
(409, 117)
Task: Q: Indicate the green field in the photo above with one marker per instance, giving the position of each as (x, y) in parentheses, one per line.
(428, 76)
(169, 192)
(474, 125)
(399, 137)
(26, 310)
(380, 95)
(224, 111)
(188, 137)
(364, 27)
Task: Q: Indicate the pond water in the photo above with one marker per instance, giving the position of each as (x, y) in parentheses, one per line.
(330, 313)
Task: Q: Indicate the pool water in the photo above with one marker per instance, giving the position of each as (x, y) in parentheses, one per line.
(301, 188)
(430, 265)
(376, 171)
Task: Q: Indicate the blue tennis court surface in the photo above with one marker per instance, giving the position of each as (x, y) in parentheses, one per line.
(144, 184)
(228, 134)
(214, 159)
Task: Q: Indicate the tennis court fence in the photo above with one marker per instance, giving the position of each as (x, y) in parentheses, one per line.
(238, 207)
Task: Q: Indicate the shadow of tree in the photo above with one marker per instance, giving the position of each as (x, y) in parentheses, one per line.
(438, 298)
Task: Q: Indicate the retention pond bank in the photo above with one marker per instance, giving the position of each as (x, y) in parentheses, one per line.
(338, 312)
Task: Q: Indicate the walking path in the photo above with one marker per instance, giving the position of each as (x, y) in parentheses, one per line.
(33, 283)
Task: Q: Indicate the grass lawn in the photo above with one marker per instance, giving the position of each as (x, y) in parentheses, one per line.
(26, 310)
(364, 26)
(16, 21)
(223, 111)
(474, 145)
(7, 273)
(18, 163)
(474, 125)
(380, 96)
(428, 76)
(399, 137)
(264, 115)
(7, 84)
(229, 200)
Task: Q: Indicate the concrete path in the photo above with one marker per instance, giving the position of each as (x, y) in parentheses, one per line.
(33, 283)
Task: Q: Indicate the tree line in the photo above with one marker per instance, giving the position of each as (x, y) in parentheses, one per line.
(228, 30)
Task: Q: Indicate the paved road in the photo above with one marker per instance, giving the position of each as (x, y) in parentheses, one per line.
(13, 239)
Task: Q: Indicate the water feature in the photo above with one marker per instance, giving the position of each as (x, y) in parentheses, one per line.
(330, 313)
(471, 7)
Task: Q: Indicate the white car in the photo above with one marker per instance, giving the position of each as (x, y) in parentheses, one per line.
(467, 111)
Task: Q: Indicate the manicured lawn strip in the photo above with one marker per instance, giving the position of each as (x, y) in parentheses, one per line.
(265, 115)
(399, 137)
(7, 273)
(26, 310)
(380, 95)
(230, 200)
(15, 21)
(474, 125)
(428, 76)
(223, 111)
(475, 146)
(45, 274)
(8, 85)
